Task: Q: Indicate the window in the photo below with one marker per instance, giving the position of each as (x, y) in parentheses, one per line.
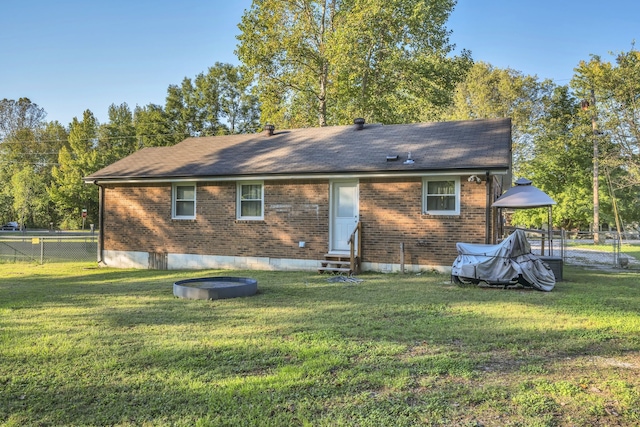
(250, 200)
(441, 196)
(183, 201)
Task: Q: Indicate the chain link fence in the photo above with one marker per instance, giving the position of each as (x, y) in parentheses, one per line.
(579, 248)
(574, 248)
(46, 248)
(609, 249)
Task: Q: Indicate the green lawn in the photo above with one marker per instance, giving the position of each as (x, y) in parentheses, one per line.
(87, 346)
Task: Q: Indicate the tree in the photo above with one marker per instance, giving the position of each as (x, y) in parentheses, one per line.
(153, 127)
(194, 107)
(27, 150)
(490, 92)
(117, 138)
(551, 135)
(75, 161)
(560, 163)
(616, 88)
(239, 107)
(182, 116)
(218, 102)
(17, 115)
(30, 198)
(328, 61)
(29, 155)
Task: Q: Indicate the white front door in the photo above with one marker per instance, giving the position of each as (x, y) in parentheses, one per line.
(344, 214)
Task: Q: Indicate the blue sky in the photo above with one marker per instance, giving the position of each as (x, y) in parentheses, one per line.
(70, 55)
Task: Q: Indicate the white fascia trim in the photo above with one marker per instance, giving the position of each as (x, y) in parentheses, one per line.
(299, 176)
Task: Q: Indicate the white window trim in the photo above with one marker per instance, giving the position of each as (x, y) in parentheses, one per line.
(425, 187)
(174, 195)
(239, 216)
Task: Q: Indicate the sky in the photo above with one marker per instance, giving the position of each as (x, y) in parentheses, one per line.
(68, 56)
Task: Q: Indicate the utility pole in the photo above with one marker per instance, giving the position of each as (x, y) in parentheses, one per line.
(596, 186)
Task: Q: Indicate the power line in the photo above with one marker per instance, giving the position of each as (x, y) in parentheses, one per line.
(97, 138)
(5, 162)
(35, 154)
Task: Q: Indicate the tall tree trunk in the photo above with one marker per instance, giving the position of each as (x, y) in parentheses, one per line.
(322, 96)
(324, 71)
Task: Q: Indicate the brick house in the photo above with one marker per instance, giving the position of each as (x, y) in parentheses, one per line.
(344, 198)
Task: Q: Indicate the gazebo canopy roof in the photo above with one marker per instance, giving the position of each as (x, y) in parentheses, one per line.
(523, 195)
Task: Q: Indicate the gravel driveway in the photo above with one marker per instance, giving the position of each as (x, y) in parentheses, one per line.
(593, 258)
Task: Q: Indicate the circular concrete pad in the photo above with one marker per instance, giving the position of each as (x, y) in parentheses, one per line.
(215, 287)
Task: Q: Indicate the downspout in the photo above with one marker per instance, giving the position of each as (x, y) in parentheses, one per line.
(487, 219)
(100, 221)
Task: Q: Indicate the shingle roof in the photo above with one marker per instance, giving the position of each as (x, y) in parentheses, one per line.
(440, 146)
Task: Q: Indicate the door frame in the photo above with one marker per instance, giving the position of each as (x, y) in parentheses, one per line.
(332, 209)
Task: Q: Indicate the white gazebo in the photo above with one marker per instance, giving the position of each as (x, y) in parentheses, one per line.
(526, 196)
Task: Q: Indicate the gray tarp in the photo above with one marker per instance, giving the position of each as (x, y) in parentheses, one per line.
(508, 262)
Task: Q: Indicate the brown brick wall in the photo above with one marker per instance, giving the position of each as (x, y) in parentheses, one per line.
(390, 218)
(138, 218)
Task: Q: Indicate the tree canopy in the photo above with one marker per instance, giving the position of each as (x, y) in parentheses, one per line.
(319, 62)
(218, 102)
(44, 162)
(18, 115)
(68, 192)
(327, 62)
(617, 90)
(553, 138)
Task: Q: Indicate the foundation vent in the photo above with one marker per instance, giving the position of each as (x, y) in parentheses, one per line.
(158, 260)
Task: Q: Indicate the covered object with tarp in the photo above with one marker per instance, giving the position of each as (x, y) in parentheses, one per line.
(510, 262)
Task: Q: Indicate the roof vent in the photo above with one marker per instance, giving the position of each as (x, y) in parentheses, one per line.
(409, 160)
(270, 129)
(359, 122)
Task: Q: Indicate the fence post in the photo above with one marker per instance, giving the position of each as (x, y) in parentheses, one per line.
(41, 250)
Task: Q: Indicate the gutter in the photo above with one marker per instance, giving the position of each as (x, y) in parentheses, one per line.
(100, 222)
(277, 177)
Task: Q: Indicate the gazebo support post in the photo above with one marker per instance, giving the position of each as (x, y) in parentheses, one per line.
(487, 218)
(550, 231)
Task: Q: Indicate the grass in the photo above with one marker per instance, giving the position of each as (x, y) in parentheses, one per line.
(87, 346)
